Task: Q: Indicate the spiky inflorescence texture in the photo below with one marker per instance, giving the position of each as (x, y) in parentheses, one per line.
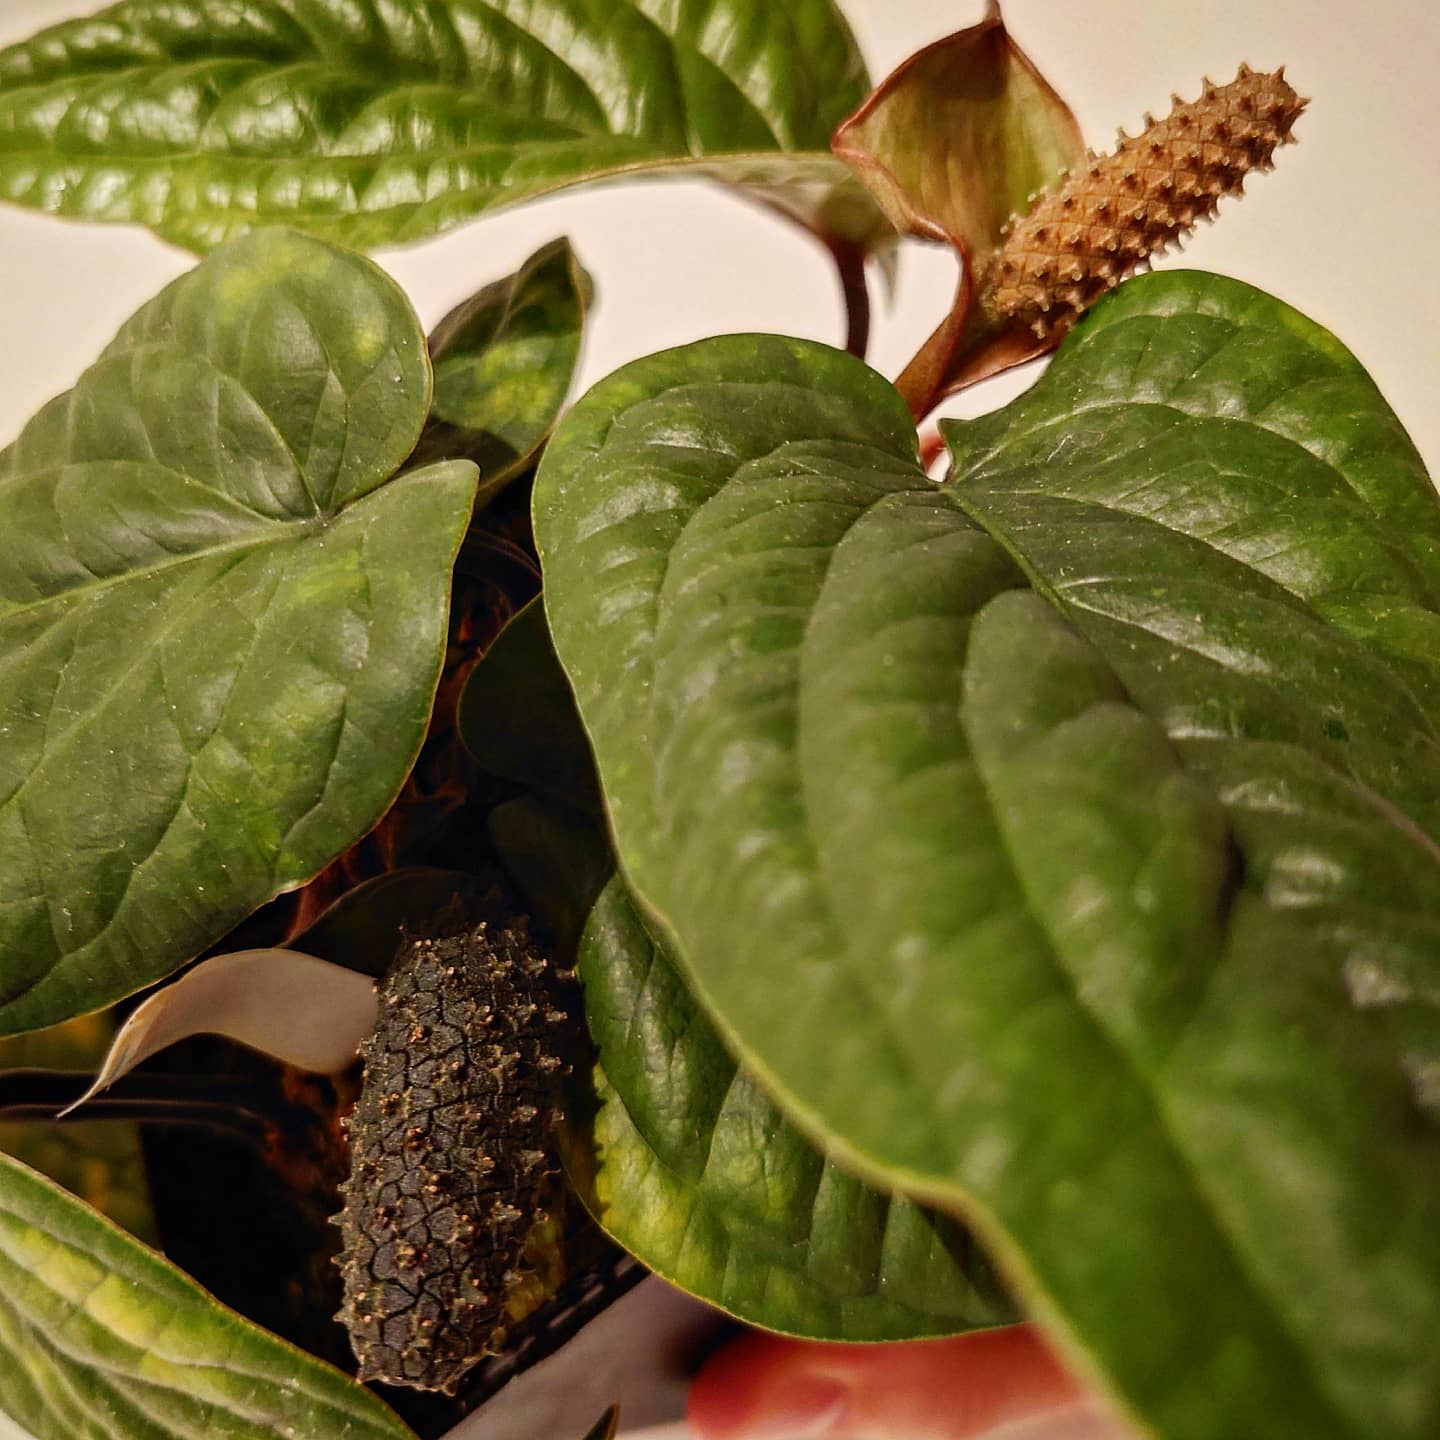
(450, 1152)
(1120, 209)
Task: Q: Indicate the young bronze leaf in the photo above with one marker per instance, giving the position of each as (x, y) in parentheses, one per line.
(952, 878)
(954, 144)
(102, 1337)
(377, 125)
(698, 1174)
(221, 615)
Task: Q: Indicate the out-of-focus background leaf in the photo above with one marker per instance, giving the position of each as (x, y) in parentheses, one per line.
(100, 1161)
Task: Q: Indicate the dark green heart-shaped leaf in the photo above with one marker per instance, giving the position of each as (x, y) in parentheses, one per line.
(221, 618)
(517, 715)
(1239, 522)
(1213, 488)
(362, 929)
(503, 365)
(558, 861)
(101, 1337)
(202, 118)
(969, 912)
(699, 1175)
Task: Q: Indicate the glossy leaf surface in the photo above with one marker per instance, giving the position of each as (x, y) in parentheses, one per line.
(1216, 437)
(700, 1175)
(503, 365)
(104, 1340)
(963, 904)
(1241, 525)
(221, 617)
(374, 125)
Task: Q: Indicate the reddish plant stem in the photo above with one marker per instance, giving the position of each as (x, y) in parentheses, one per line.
(850, 263)
(932, 444)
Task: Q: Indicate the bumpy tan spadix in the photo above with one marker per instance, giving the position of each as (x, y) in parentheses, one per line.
(1116, 212)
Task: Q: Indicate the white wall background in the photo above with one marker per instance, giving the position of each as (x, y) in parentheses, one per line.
(1346, 227)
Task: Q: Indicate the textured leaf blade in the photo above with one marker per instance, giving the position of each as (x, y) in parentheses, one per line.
(966, 908)
(1251, 433)
(376, 127)
(104, 1339)
(1264, 619)
(503, 365)
(1256, 561)
(222, 619)
(699, 1175)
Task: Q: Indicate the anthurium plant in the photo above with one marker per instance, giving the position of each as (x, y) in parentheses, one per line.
(458, 850)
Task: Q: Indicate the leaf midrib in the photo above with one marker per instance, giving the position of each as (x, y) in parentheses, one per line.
(663, 159)
(297, 529)
(342, 222)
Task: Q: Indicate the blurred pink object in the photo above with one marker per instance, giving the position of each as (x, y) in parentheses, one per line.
(997, 1384)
